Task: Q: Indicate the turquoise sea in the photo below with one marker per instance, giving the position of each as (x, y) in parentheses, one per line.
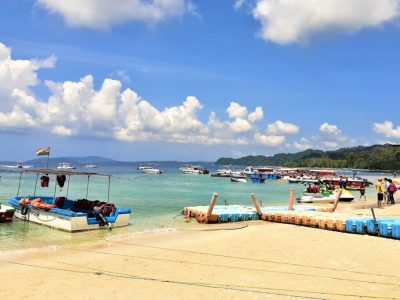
(156, 201)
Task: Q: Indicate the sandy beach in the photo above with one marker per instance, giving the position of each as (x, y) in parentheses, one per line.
(248, 260)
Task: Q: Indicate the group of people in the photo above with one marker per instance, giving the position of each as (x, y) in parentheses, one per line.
(385, 189)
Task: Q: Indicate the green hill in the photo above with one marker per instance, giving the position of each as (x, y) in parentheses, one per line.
(376, 157)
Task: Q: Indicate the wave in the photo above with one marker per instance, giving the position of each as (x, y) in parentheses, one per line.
(22, 251)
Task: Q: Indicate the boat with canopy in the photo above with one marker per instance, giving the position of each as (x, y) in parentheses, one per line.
(61, 212)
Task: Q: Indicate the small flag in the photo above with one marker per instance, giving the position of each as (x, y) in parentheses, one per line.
(43, 151)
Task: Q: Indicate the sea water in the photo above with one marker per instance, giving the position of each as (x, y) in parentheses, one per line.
(156, 200)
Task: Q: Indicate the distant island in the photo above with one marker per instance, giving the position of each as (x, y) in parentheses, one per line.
(376, 157)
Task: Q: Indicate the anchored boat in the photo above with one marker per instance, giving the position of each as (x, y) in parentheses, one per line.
(65, 214)
(6, 213)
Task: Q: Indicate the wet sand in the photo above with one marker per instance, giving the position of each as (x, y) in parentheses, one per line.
(254, 260)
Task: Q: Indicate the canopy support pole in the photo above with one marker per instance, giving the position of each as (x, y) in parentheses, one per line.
(34, 192)
(87, 187)
(19, 184)
(69, 176)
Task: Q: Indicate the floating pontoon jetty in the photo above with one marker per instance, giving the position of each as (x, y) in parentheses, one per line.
(321, 217)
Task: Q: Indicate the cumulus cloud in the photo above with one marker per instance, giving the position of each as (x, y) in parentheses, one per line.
(269, 140)
(329, 129)
(18, 74)
(387, 129)
(282, 128)
(104, 14)
(77, 108)
(235, 110)
(256, 115)
(292, 21)
(302, 145)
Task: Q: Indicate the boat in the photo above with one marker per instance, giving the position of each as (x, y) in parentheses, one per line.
(224, 172)
(150, 170)
(19, 165)
(303, 179)
(65, 166)
(238, 177)
(267, 172)
(350, 183)
(6, 213)
(189, 169)
(90, 166)
(62, 213)
(325, 197)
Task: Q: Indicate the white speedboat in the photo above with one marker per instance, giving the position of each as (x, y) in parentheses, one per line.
(225, 172)
(65, 166)
(150, 170)
(345, 196)
(239, 177)
(193, 170)
(19, 165)
(91, 166)
(63, 213)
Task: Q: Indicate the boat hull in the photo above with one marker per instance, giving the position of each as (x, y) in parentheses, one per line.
(67, 220)
(6, 213)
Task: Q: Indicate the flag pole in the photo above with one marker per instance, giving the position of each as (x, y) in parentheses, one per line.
(47, 163)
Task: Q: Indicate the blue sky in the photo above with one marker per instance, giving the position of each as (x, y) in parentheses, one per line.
(196, 80)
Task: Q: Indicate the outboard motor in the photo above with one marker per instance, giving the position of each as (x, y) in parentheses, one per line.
(101, 217)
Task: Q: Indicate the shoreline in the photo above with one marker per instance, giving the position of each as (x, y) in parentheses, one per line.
(249, 260)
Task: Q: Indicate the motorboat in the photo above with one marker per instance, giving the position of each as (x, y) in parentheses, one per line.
(189, 169)
(239, 177)
(90, 166)
(19, 165)
(326, 197)
(62, 213)
(6, 213)
(65, 166)
(267, 172)
(350, 183)
(303, 179)
(225, 172)
(150, 170)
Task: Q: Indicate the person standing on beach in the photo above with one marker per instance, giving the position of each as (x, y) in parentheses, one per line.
(385, 190)
(391, 190)
(362, 192)
(379, 190)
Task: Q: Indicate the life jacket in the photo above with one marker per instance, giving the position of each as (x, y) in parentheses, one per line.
(107, 208)
(61, 180)
(44, 181)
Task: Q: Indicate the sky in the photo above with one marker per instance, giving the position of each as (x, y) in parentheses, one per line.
(192, 80)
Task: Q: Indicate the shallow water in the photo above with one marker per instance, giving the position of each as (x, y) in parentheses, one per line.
(156, 201)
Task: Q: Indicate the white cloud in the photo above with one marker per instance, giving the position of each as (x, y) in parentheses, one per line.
(330, 144)
(18, 74)
(62, 130)
(387, 129)
(282, 128)
(329, 129)
(256, 115)
(292, 21)
(238, 4)
(269, 140)
(78, 109)
(240, 125)
(302, 145)
(235, 110)
(104, 14)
